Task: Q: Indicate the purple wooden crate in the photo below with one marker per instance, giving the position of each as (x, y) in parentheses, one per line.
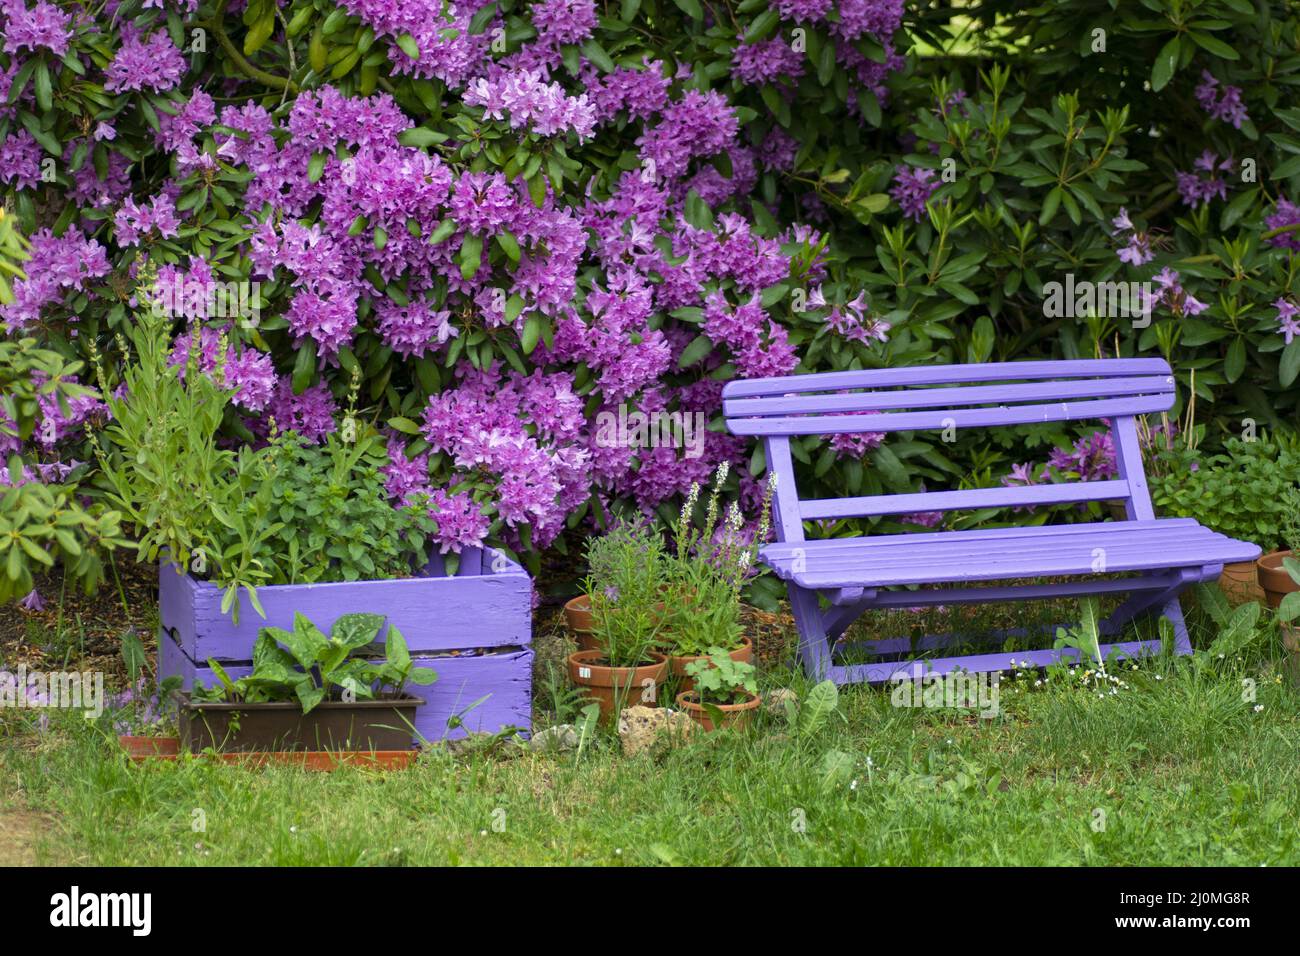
(474, 629)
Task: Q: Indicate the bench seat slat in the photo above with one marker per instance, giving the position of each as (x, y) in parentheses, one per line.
(897, 559)
(939, 419)
(984, 552)
(969, 498)
(794, 403)
(944, 374)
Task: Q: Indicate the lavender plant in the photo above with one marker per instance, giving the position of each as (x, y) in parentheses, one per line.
(708, 570)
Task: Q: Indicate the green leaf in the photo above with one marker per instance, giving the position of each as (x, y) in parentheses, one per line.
(691, 8)
(762, 25)
(700, 347)
(396, 651)
(44, 89)
(509, 245)
(316, 166)
(1166, 63)
(532, 333)
(404, 425)
(408, 46)
(443, 230)
(304, 366)
(420, 136)
(470, 256)
(356, 630)
(1289, 367)
(1213, 45)
(816, 710)
(1288, 169)
(597, 55)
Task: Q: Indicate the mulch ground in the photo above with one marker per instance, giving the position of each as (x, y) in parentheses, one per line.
(81, 629)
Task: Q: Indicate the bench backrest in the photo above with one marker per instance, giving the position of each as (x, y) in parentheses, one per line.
(939, 397)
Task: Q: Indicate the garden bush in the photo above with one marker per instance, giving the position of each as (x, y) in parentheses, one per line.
(507, 221)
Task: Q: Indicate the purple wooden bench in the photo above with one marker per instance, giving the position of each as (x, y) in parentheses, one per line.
(831, 582)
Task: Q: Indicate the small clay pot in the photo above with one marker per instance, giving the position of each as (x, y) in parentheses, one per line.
(1240, 582)
(577, 613)
(1273, 578)
(137, 748)
(677, 664)
(734, 716)
(617, 687)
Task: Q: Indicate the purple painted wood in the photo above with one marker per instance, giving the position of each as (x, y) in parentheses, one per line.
(889, 560)
(939, 419)
(967, 499)
(854, 574)
(434, 613)
(944, 375)
(473, 628)
(947, 397)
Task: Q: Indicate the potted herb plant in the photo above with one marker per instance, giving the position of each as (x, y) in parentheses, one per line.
(704, 578)
(1273, 578)
(1241, 492)
(1288, 611)
(725, 692)
(625, 591)
(311, 692)
(283, 513)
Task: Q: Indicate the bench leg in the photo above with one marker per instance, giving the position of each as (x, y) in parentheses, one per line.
(1144, 601)
(1173, 612)
(814, 646)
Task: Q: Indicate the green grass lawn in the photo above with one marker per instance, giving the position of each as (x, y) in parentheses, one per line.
(1177, 767)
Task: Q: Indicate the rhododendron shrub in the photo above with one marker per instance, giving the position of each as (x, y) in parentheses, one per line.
(509, 221)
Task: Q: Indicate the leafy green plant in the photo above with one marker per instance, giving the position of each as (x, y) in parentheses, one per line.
(721, 680)
(306, 665)
(44, 525)
(284, 513)
(625, 588)
(1085, 637)
(1236, 628)
(1289, 609)
(1244, 491)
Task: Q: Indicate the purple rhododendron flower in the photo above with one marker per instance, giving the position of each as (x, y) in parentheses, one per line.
(145, 63)
(20, 160)
(43, 26)
(1286, 213)
(1227, 107)
(1286, 318)
(912, 189)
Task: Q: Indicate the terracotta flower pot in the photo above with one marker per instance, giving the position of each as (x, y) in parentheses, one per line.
(577, 613)
(137, 748)
(1240, 582)
(617, 687)
(1273, 578)
(677, 663)
(734, 716)
(381, 724)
